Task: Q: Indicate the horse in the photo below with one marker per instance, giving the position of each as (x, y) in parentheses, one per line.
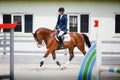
(52, 44)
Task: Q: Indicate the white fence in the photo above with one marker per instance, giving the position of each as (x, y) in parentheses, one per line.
(26, 50)
(108, 53)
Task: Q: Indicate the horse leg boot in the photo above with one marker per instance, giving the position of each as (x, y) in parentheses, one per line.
(42, 62)
(54, 58)
(45, 56)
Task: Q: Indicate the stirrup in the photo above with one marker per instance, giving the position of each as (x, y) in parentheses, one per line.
(61, 46)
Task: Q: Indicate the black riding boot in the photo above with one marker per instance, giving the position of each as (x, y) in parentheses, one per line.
(61, 42)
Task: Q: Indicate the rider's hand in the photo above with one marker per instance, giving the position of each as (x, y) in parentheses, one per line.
(54, 29)
(59, 29)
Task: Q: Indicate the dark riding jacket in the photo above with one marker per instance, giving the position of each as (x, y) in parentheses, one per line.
(62, 23)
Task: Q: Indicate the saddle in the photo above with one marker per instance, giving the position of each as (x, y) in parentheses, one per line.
(66, 37)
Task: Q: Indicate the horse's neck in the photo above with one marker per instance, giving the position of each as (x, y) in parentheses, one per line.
(46, 39)
(47, 35)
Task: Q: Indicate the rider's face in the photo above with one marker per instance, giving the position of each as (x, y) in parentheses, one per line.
(61, 12)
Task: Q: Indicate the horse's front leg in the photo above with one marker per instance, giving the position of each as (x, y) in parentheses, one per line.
(54, 58)
(44, 57)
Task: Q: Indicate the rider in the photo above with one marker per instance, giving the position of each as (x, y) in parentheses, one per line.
(61, 26)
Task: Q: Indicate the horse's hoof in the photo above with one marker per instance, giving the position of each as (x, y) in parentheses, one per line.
(41, 63)
(63, 67)
(58, 63)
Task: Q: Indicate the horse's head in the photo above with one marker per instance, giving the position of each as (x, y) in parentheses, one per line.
(38, 39)
(42, 34)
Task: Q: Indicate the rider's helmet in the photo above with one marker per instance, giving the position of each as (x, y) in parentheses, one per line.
(61, 9)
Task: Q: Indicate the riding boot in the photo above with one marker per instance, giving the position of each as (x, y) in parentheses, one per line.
(61, 42)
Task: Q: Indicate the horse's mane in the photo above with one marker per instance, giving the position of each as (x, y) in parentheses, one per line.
(42, 28)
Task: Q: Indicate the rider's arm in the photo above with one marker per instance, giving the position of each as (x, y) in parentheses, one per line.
(66, 20)
(57, 24)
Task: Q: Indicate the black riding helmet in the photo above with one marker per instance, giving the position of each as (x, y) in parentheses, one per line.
(61, 9)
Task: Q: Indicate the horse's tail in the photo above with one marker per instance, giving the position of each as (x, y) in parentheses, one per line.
(87, 41)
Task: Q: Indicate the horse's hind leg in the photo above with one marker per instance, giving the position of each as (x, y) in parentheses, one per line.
(54, 58)
(71, 53)
(81, 47)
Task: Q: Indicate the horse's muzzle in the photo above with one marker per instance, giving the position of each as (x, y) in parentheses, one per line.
(39, 46)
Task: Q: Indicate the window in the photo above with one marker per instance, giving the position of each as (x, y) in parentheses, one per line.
(78, 23)
(25, 22)
(18, 18)
(6, 19)
(73, 23)
(28, 23)
(84, 23)
(117, 23)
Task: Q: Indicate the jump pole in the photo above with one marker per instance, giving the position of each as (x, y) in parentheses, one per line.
(99, 53)
(11, 45)
(12, 54)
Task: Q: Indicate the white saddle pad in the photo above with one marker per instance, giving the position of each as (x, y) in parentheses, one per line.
(66, 37)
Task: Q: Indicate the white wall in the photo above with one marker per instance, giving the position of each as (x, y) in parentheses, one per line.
(45, 14)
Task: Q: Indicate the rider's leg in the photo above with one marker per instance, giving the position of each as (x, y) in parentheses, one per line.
(60, 35)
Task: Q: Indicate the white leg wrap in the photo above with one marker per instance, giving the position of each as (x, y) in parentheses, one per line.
(68, 62)
(43, 59)
(61, 33)
(65, 66)
(56, 60)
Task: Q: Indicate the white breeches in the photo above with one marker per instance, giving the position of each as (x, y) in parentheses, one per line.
(61, 33)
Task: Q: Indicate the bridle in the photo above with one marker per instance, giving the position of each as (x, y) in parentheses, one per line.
(41, 44)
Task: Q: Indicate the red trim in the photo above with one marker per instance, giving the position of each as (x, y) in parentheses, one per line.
(8, 25)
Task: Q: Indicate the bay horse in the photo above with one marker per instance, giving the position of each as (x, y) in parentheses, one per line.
(77, 40)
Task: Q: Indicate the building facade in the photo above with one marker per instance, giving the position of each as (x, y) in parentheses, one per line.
(89, 17)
